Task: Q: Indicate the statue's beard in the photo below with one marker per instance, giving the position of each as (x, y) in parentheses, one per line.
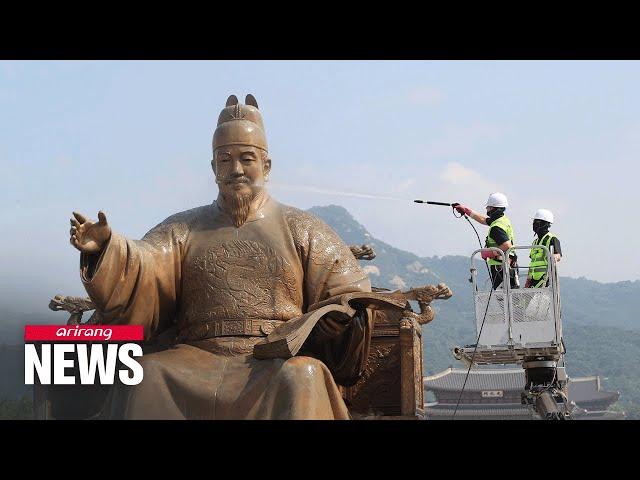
(238, 205)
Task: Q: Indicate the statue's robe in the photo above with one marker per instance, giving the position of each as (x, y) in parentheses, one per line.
(195, 267)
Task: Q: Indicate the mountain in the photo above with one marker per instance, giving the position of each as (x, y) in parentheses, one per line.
(600, 320)
(593, 303)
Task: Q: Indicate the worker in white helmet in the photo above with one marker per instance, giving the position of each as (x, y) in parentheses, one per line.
(537, 276)
(500, 235)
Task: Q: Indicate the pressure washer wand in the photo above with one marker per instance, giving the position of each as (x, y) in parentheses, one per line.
(437, 203)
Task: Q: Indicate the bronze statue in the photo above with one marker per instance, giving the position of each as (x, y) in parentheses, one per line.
(212, 282)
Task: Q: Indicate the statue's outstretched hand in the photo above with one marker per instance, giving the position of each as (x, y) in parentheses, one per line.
(88, 236)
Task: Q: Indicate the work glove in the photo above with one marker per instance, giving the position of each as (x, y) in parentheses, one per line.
(489, 254)
(462, 209)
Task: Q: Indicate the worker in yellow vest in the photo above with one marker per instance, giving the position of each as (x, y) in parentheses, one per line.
(537, 276)
(500, 235)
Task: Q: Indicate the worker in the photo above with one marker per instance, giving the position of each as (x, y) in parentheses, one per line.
(500, 235)
(537, 276)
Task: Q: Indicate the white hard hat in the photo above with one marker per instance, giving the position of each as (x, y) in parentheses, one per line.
(497, 199)
(543, 214)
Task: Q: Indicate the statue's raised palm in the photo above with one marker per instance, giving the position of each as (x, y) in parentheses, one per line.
(88, 236)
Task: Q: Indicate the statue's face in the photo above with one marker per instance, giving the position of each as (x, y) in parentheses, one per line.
(240, 168)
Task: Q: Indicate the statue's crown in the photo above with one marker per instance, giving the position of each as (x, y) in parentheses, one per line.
(240, 124)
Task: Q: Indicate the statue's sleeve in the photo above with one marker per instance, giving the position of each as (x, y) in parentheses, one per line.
(137, 282)
(330, 270)
(330, 267)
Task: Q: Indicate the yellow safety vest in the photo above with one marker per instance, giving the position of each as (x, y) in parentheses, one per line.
(505, 224)
(539, 261)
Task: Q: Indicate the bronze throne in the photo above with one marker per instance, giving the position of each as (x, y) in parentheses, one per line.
(392, 384)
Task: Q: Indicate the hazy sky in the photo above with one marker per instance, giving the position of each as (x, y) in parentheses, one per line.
(133, 138)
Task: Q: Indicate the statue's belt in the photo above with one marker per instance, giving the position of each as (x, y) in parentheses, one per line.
(229, 328)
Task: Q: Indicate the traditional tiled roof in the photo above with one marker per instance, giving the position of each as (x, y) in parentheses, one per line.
(446, 411)
(452, 379)
(588, 389)
(602, 415)
(586, 392)
(581, 389)
(513, 411)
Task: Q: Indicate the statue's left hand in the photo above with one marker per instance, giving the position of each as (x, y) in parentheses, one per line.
(88, 236)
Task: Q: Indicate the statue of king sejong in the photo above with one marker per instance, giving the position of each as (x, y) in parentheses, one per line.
(208, 283)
